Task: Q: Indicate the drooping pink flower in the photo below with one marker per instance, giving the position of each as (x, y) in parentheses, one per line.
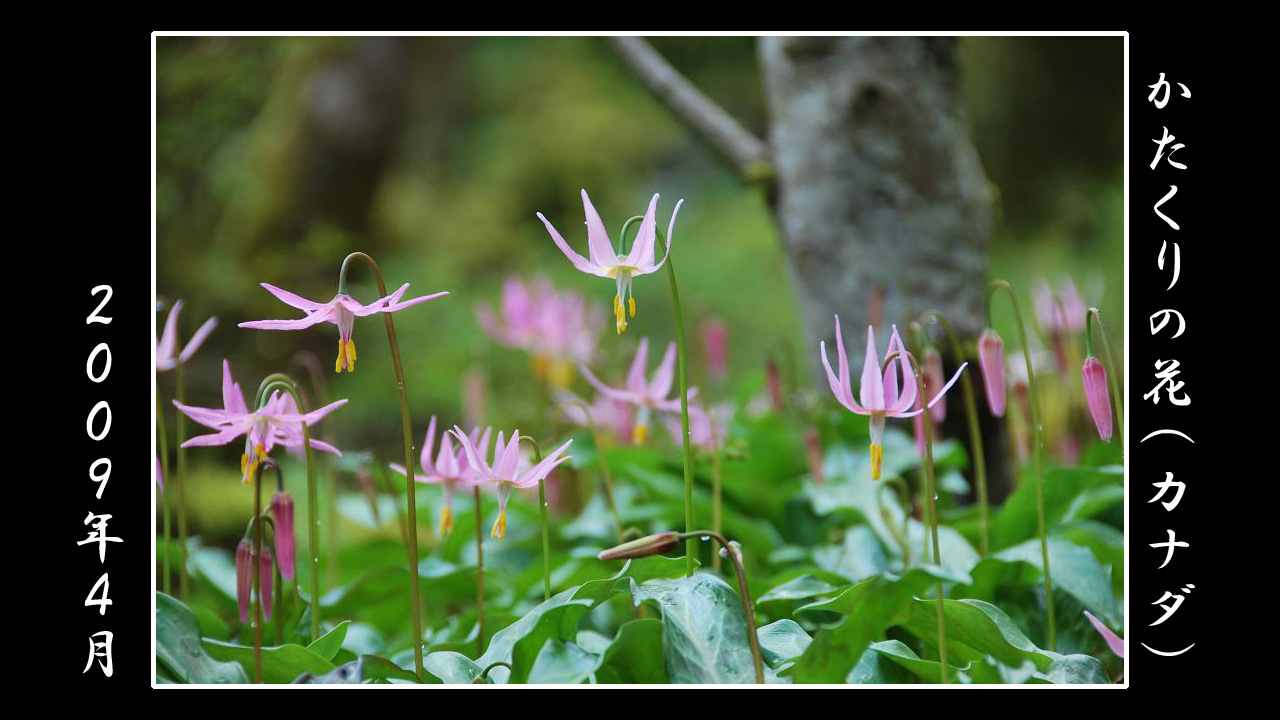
(1094, 375)
(646, 395)
(167, 355)
(715, 344)
(244, 578)
(342, 311)
(1115, 642)
(450, 469)
(508, 470)
(276, 422)
(708, 430)
(655, 544)
(878, 393)
(558, 329)
(1059, 315)
(991, 360)
(282, 516)
(264, 582)
(605, 262)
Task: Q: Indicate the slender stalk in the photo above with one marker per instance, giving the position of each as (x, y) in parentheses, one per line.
(256, 592)
(748, 607)
(406, 428)
(1116, 399)
(542, 509)
(931, 505)
(309, 362)
(180, 432)
(715, 485)
(479, 576)
(280, 381)
(691, 545)
(975, 430)
(164, 495)
(1037, 447)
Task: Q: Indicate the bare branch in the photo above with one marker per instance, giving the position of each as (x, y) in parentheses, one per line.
(747, 153)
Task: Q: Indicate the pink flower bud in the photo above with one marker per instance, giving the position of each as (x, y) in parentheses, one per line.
(282, 516)
(991, 360)
(934, 380)
(650, 545)
(264, 582)
(715, 342)
(244, 578)
(775, 385)
(1095, 393)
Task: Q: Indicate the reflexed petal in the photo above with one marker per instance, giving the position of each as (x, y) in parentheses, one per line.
(871, 391)
(642, 250)
(602, 252)
(314, 318)
(665, 373)
(578, 261)
(198, 339)
(635, 376)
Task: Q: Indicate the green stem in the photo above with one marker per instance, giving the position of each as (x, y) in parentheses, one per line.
(542, 509)
(257, 579)
(691, 545)
(975, 430)
(748, 607)
(931, 505)
(163, 450)
(280, 381)
(406, 428)
(1036, 447)
(1112, 371)
(479, 576)
(180, 431)
(715, 486)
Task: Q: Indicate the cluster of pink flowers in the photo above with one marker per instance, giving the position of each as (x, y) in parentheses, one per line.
(558, 329)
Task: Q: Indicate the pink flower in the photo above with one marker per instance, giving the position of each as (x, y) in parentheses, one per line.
(1059, 315)
(605, 262)
(244, 578)
(715, 343)
(878, 394)
(282, 516)
(509, 470)
(450, 469)
(646, 395)
(277, 421)
(264, 583)
(1115, 642)
(557, 329)
(1095, 394)
(708, 430)
(166, 359)
(342, 311)
(991, 360)
(606, 414)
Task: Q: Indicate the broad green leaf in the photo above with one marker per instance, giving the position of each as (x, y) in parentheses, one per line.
(179, 651)
(562, 663)
(452, 667)
(782, 642)
(1077, 670)
(328, 645)
(280, 663)
(927, 670)
(704, 630)
(800, 588)
(351, 673)
(874, 668)
(1017, 519)
(977, 627)
(1075, 570)
(633, 656)
(869, 608)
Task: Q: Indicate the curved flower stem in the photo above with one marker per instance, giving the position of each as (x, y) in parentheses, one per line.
(406, 428)
(1037, 446)
(747, 606)
(483, 677)
(257, 580)
(163, 449)
(280, 381)
(975, 430)
(479, 576)
(931, 505)
(1116, 398)
(542, 508)
(691, 544)
(180, 431)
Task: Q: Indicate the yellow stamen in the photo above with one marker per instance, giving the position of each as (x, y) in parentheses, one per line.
(249, 464)
(620, 315)
(351, 356)
(877, 453)
(500, 525)
(639, 434)
(631, 305)
(560, 374)
(446, 520)
(342, 357)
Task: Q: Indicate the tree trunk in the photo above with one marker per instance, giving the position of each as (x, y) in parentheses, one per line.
(882, 202)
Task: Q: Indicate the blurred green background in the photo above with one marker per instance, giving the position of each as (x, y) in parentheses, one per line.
(278, 156)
